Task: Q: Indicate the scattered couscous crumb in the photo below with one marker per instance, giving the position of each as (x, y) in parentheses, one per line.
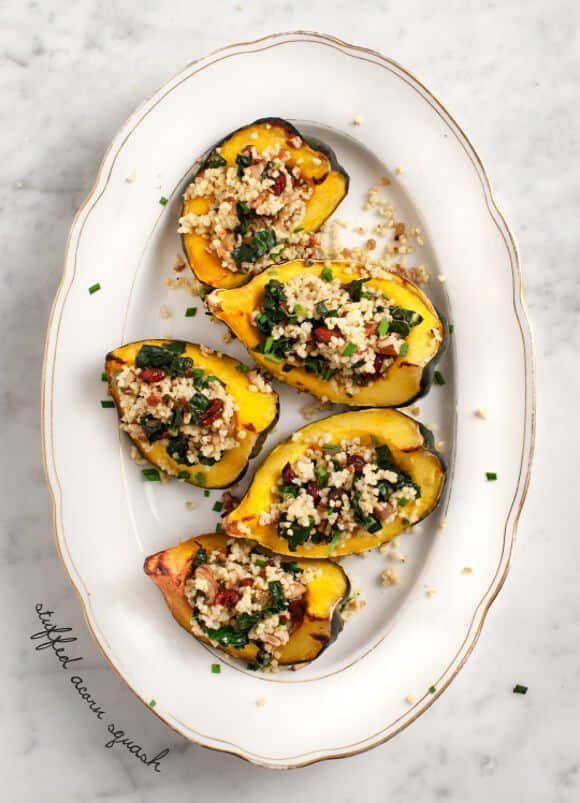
(360, 230)
(227, 336)
(410, 699)
(179, 264)
(442, 277)
(131, 177)
(18, 185)
(440, 444)
(192, 286)
(467, 570)
(390, 577)
(430, 592)
(137, 457)
(385, 181)
(479, 413)
(190, 505)
(311, 409)
(415, 409)
(442, 524)
(354, 605)
(358, 120)
(399, 171)
(164, 312)
(261, 702)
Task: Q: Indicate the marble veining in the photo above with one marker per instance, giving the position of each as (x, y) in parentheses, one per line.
(511, 74)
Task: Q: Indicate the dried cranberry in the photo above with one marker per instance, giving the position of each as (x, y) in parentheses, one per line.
(153, 400)
(357, 462)
(228, 597)
(322, 334)
(229, 502)
(313, 489)
(279, 184)
(153, 374)
(247, 581)
(335, 494)
(215, 409)
(288, 474)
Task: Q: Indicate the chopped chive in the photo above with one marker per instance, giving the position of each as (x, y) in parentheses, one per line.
(402, 502)
(217, 506)
(329, 446)
(163, 200)
(374, 440)
(432, 689)
(191, 312)
(94, 288)
(219, 528)
(200, 477)
(349, 349)
(327, 274)
(152, 703)
(107, 403)
(439, 378)
(260, 562)
(268, 343)
(273, 358)
(216, 669)
(300, 228)
(491, 476)
(406, 522)
(300, 310)
(274, 272)
(451, 328)
(183, 475)
(243, 369)
(151, 474)
(206, 492)
(383, 327)
(333, 542)
(103, 377)
(519, 689)
(404, 350)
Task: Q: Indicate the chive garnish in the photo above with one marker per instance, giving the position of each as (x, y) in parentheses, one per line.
(183, 475)
(216, 669)
(217, 506)
(432, 689)
(243, 369)
(451, 328)
(327, 274)
(163, 200)
(402, 502)
(374, 440)
(219, 528)
(268, 343)
(200, 477)
(260, 562)
(107, 403)
(349, 349)
(439, 378)
(491, 475)
(152, 703)
(333, 542)
(300, 310)
(103, 377)
(300, 228)
(383, 327)
(329, 446)
(206, 492)
(151, 474)
(404, 350)
(94, 287)
(519, 689)
(191, 312)
(273, 358)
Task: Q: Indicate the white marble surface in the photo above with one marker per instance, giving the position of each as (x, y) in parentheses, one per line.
(510, 72)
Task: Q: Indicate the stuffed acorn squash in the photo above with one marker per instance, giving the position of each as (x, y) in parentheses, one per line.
(329, 329)
(256, 199)
(341, 485)
(272, 612)
(191, 411)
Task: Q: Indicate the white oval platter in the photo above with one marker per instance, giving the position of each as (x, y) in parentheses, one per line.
(412, 638)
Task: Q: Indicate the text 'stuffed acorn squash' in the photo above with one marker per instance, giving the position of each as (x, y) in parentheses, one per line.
(405, 376)
(161, 420)
(315, 625)
(410, 463)
(318, 169)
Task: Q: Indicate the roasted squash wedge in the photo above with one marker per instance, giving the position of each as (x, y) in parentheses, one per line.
(318, 623)
(318, 167)
(408, 376)
(410, 450)
(159, 442)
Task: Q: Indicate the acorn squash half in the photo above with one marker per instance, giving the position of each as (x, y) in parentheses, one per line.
(407, 378)
(317, 163)
(320, 621)
(411, 447)
(257, 413)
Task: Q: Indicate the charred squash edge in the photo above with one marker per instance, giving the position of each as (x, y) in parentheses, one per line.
(307, 381)
(266, 535)
(170, 568)
(237, 280)
(254, 440)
